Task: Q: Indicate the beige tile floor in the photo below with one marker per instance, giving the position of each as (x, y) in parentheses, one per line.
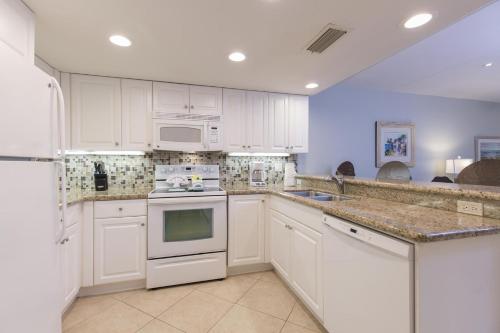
(249, 303)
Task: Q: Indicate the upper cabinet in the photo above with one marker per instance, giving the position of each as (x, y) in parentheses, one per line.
(298, 123)
(288, 123)
(17, 28)
(96, 112)
(110, 114)
(170, 98)
(136, 115)
(245, 120)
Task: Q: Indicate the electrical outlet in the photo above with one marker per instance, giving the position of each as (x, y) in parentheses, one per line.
(467, 207)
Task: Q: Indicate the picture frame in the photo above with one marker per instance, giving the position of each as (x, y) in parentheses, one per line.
(487, 147)
(395, 142)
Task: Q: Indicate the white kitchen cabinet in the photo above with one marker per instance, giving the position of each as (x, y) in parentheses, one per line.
(235, 138)
(70, 250)
(246, 244)
(298, 123)
(278, 123)
(172, 98)
(95, 112)
(288, 123)
(281, 240)
(119, 249)
(71, 260)
(245, 119)
(17, 28)
(296, 245)
(136, 115)
(307, 267)
(205, 100)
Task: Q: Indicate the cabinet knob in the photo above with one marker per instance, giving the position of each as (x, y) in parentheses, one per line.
(142, 224)
(192, 106)
(185, 106)
(117, 143)
(149, 145)
(157, 146)
(120, 209)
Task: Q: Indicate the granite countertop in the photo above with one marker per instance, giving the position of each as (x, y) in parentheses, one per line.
(452, 189)
(409, 222)
(75, 196)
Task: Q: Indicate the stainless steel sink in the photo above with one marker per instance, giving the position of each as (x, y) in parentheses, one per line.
(319, 196)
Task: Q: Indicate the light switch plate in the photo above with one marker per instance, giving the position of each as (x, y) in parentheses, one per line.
(468, 207)
(278, 167)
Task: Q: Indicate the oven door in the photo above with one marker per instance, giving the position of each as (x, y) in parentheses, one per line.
(179, 135)
(187, 225)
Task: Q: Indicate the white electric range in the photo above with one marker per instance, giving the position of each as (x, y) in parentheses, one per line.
(187, 226)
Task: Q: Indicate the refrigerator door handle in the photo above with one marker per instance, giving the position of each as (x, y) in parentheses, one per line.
(64, 204)
(61, 124)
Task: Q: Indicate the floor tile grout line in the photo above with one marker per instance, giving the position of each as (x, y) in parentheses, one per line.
(171, 305)
(146, 324)
(222, 317)
(95, 315)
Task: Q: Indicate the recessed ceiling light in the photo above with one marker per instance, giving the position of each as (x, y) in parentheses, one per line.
(488, 64)
(418, 20)
(120, 40)
(312, 85)
(237, 56)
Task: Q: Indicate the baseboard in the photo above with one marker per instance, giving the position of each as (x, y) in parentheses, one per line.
(237, 270)
(112, 288)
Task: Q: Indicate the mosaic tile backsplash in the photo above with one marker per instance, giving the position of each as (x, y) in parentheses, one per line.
(132, 171)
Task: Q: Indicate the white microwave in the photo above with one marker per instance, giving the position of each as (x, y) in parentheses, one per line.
(188, 134)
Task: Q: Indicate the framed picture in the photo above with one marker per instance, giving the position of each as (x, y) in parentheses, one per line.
(487, 147)
(395, 142)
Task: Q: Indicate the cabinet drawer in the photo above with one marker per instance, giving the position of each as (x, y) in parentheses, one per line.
(119, 208)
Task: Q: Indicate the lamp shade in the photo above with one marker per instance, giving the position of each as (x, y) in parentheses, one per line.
(457, 165)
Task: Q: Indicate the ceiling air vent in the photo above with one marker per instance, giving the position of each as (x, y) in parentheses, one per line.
(327, 37)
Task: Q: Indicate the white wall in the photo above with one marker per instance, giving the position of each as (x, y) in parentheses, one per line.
(342, 127)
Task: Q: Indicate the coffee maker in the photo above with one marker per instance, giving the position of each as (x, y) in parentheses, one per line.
(257, 174)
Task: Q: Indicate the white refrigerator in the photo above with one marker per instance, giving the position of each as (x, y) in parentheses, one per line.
(32, 196)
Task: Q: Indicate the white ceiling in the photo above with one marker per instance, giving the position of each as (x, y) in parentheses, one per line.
(449, 63)
(188, 40)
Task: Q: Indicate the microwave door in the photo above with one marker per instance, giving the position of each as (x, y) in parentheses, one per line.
(179, 137)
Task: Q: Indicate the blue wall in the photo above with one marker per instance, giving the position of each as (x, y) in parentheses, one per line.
(342, 127)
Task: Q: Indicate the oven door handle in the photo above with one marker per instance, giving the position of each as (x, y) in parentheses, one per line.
(186, 200)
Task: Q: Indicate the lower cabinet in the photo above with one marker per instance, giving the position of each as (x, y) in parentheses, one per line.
(70, 250)
(119, 249)
(246, 230)
(297, 254)
(280, 243)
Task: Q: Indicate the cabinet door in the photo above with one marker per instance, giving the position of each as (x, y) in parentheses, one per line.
(17, 29)
(280, 243)
(246, 230)
(170, 98)
(307, 273)
(96, 112)
(278, 123)
(298, 123)
(205, 100)
(137, 115)
(257, 117)
(119, 249)
(234, 120)
(71, 260)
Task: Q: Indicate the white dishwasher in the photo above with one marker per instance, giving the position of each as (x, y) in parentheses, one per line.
(368, 281)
